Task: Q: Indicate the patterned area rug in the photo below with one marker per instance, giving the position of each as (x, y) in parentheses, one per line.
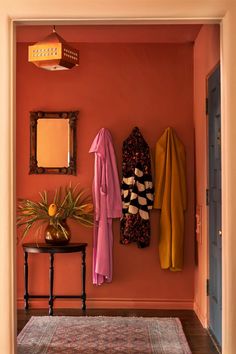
(111, 335)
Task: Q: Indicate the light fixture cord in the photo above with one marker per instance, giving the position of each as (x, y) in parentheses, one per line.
(54, 29)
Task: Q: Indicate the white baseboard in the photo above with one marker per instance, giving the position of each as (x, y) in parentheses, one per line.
(113, 303)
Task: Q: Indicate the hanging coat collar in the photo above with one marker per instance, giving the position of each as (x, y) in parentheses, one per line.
(136, 138)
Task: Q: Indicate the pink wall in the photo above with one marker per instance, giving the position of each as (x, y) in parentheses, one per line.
(206, 56)
(117, 86)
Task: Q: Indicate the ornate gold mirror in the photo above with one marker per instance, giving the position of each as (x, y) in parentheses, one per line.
(53, 142)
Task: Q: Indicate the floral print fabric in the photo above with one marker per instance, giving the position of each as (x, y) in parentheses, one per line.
(137, 190)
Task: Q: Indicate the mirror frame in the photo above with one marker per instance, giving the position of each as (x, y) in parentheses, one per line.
(34, 168)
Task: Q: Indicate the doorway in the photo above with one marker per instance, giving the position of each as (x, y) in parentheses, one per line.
(177, 59)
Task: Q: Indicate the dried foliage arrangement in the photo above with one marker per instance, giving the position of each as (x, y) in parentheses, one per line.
(68, 203)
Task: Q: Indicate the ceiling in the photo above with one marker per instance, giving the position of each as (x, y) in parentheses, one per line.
(112, 33)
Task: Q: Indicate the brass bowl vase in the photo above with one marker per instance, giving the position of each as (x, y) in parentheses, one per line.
(56, 235)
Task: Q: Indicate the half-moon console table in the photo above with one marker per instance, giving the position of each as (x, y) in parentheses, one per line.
(51, 250)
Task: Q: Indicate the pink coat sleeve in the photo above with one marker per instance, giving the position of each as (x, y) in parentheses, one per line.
(114, 204)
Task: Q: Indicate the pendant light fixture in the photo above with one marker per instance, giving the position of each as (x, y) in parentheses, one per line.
(53, 53)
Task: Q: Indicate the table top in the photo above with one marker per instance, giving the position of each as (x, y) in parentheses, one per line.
(47, 248)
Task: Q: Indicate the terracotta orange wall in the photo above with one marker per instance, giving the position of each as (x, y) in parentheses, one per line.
(117, 86)
(206, 57)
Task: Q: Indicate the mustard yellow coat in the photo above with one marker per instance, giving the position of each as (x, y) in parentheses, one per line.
(171, 198)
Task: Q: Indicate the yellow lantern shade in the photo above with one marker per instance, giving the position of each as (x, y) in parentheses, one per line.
(53, 53)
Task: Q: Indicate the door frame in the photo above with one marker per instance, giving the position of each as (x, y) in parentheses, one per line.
(224, 14)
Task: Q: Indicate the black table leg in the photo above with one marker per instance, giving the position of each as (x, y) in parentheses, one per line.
(83, 280)
(51, 276)
(26, 295)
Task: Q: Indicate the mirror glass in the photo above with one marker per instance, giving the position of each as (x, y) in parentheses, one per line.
(53, 142)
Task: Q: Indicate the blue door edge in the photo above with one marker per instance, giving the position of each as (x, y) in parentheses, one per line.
(216, 72)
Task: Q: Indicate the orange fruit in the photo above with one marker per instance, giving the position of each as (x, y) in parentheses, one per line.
(52, 209)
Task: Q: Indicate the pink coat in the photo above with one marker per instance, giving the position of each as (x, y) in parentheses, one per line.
(107, 204)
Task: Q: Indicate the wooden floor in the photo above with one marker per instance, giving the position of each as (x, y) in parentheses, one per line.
(197, 337)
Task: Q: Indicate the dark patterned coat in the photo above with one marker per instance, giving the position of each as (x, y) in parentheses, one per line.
(137, 190)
